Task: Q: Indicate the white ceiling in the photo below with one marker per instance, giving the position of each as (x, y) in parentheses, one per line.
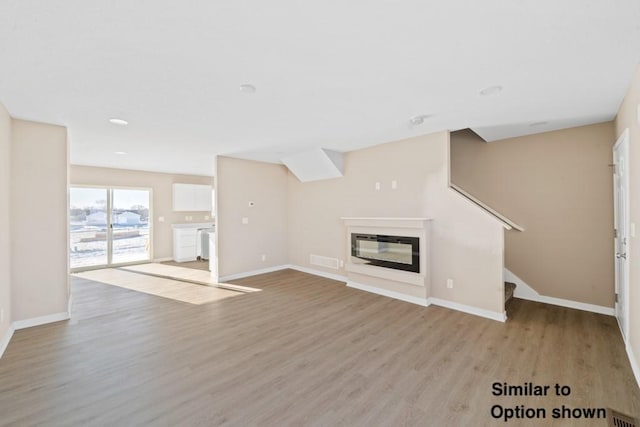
(334, 74)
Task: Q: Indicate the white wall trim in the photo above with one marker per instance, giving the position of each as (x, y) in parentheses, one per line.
(493, 315)
(4, 342)
(37, 321)
(252, 273)
(162, 259)
(320, 273)
(524, 291)
(634, 363)
(391, 294)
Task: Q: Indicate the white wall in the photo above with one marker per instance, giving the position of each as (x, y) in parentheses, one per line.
(241, 246)
(292, 220)
(5, 227)
(466, 244)
(39, 230)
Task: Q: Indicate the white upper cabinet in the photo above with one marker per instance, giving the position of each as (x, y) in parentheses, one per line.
(192, 197)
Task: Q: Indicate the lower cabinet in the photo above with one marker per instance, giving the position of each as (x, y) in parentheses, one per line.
(185, 246)
(186, 238)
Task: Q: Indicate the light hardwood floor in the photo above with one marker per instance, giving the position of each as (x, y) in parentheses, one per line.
(304, 351)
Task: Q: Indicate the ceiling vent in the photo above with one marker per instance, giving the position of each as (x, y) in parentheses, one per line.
(315, 164)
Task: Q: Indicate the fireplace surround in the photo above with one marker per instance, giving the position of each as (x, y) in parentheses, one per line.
(389, 253)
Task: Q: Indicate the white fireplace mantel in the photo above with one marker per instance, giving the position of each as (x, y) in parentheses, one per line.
(385, 222)
(393, 280)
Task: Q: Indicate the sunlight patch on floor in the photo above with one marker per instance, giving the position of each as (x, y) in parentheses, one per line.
(159, 286)
(202, 277)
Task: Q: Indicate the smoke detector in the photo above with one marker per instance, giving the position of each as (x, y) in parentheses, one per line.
(418, 120)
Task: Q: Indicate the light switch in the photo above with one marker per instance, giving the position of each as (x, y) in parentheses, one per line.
(632, 229)
(377, 186)
(245, 220)
(160, 219)
(394, 184)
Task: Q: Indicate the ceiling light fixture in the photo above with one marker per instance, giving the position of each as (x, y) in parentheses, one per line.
(247, 88)
(119, 122)
(418, 120)
(491, 90)
(120, 153)
(538, 124)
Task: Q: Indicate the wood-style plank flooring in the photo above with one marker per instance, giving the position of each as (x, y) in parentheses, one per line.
(304, 351)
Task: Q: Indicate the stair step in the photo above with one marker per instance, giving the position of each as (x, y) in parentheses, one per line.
(509, 289)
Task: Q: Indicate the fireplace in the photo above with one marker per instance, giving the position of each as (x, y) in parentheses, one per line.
(396, 252)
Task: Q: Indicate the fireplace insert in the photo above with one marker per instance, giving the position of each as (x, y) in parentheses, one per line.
(397, 252)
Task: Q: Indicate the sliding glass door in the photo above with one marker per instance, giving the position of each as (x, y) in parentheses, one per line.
(88, 227)
(109, 226)
(130, 225)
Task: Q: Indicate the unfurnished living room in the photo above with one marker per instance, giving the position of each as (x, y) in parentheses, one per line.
(319, 213)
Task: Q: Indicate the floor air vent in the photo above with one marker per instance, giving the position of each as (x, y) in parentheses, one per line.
(324, 261)
(616, 419)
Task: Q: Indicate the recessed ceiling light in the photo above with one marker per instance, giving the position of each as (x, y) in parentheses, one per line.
(491, 90)
(247, 88)
(418, 120)
(119, 122)
(120, 152)
(539, 123)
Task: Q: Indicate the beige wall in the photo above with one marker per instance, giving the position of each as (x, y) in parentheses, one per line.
(466, 242)
(5, 227)
(39, 231)
(628, 118)
(558, 186)
(162, 190)
(241, 246)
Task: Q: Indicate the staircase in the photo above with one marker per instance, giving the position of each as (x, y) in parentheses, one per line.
(509, 289)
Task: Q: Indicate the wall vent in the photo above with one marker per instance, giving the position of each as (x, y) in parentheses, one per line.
(324, 261)
(616, 419)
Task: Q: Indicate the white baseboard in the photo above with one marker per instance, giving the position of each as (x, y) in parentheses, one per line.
(525, 291)
(500, 317)
(162, 259)
(635, 367)
(4, 342)
(493, 315)
(37, 321)
(320, 273)
(391, 294)
(252, 273)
